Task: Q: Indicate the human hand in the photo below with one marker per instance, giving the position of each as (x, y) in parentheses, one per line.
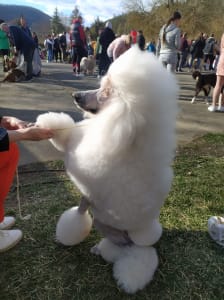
(12, 123)
(33, 133)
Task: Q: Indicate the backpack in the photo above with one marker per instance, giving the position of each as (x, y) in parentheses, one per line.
(209, 47)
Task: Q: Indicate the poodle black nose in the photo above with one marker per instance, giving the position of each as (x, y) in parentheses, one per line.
(77, 96)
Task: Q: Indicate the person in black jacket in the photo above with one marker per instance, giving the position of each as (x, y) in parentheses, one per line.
(63, 45)
(141, 40)
(23, 43)
(196, 51)
(106, 37)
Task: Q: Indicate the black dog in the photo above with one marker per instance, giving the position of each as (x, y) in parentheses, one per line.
(204, 82)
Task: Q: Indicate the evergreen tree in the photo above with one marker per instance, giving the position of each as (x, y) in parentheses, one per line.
(56, 23)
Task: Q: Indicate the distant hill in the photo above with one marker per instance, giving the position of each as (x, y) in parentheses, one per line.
(37, 20)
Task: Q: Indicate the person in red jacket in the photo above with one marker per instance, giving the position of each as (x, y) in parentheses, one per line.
(11, 131)
(78, 43)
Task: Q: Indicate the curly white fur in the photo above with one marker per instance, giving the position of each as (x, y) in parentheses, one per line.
(121, 157)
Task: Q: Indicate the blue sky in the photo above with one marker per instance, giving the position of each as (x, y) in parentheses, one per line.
(90, 9)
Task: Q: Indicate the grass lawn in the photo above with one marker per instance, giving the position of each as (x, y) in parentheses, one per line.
(191, 264)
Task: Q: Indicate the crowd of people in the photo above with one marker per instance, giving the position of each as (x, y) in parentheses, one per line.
(173, 49)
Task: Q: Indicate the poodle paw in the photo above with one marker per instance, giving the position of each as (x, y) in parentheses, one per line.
(136, 269)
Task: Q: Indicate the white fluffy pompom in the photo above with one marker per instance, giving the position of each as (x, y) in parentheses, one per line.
(73, 227)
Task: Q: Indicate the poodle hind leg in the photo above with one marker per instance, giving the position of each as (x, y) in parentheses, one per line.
(109, 251)
(133, 267)
(111, 247)
(134, 270)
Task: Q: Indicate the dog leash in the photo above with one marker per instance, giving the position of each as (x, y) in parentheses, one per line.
(27, 217)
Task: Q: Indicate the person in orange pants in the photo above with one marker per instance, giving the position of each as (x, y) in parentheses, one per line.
(11, 131)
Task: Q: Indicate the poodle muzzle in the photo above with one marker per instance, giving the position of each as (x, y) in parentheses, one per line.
(88, 100)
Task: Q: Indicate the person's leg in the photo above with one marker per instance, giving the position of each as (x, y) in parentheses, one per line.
(211, 60)
(74, 59)
(216, 93)
(181, 62)
(29, 63)
(60, 55)
(8, 163)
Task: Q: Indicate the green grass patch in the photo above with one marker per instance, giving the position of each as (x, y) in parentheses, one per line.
(191, 264)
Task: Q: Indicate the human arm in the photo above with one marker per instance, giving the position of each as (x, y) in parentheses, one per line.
(177, 39)
(13, 130)
(32, 133)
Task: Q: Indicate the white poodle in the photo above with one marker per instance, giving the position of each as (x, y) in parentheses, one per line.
(88, 65)
(120, 159)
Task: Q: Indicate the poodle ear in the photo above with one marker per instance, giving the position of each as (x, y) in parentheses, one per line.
(124, 127)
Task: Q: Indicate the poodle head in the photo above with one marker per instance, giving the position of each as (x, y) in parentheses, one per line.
(134, 81)
(93, 100)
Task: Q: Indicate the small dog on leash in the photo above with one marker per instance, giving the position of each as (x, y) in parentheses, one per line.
(12, 73)
(87, 65)
(204, 82)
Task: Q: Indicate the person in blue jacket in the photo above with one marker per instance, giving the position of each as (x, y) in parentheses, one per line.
(23, 43)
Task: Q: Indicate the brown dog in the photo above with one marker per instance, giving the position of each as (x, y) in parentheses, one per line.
(12, 73)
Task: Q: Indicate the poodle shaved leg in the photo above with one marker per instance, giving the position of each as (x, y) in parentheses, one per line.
(116, 236)
(108, 250)
(134, 270)
(111, 247)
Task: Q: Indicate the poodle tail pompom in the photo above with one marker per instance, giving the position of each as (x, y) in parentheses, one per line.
(73, 227)
(62, 125)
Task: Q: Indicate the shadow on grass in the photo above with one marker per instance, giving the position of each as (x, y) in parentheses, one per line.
(38, 268)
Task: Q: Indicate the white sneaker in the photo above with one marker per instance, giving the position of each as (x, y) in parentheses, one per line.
(216, 229)
(7, 223)
(220, 108)
(9, 238)
(212, 108)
